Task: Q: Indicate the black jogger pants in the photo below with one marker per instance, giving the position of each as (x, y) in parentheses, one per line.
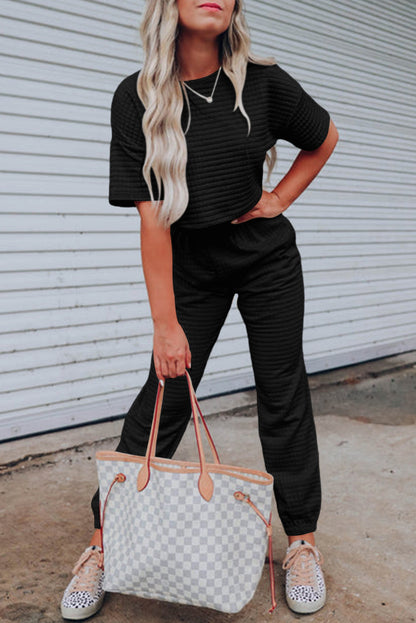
(259, 261)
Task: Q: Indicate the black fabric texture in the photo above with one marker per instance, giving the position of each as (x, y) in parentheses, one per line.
(259, 261)
(225, 163)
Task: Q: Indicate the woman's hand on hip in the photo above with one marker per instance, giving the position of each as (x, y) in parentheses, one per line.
(270, 205)
(171, 353)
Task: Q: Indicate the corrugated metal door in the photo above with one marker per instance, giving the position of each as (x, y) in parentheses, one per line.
(356, 223)
(76, 331)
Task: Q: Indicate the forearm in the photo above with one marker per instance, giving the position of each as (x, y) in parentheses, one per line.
(171, 353)
(305, 168)
(156, 250)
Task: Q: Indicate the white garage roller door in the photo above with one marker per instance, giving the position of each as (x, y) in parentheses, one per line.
(75, 323)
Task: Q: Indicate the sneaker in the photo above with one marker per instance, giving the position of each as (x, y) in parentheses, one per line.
(305, 584)
(84, 595)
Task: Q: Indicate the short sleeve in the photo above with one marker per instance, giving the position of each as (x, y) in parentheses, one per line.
(127, 149)
(302, 121)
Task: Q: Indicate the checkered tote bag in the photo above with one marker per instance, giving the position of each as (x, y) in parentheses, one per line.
(191, 533)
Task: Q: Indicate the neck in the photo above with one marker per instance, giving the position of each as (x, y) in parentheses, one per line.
(197, 57)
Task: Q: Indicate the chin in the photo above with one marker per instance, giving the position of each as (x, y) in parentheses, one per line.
(213, 26)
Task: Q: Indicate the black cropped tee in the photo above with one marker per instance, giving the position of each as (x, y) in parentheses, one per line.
(225, 164)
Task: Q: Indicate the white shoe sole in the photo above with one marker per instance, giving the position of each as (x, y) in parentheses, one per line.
(77, 614)
(306, 607)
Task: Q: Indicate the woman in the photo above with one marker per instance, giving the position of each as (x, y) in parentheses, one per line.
(190, 133)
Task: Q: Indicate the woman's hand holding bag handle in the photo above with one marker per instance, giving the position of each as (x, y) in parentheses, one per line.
(177, 531)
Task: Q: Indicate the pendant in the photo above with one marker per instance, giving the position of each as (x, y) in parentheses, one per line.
(209, 100)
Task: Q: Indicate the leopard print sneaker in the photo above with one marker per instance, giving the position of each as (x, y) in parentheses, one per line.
(305, 584)
(84, 595)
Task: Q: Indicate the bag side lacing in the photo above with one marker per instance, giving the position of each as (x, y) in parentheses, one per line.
(242, 497)
(117, 478)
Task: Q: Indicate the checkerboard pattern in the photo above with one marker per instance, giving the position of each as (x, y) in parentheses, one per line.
(166, 542)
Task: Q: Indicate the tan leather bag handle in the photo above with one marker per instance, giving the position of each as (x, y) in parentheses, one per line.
(205, 483)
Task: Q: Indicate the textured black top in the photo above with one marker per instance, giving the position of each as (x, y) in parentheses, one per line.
(225, 166)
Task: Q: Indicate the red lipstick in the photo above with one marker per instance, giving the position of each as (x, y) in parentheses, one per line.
(211, 5)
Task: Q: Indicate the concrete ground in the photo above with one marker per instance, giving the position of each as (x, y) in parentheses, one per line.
(366, 423)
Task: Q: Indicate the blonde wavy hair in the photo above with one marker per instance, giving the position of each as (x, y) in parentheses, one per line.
(159, 87)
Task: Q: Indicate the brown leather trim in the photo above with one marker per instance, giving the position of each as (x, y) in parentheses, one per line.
(206, 485)
(188, 467)
(143, 476)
